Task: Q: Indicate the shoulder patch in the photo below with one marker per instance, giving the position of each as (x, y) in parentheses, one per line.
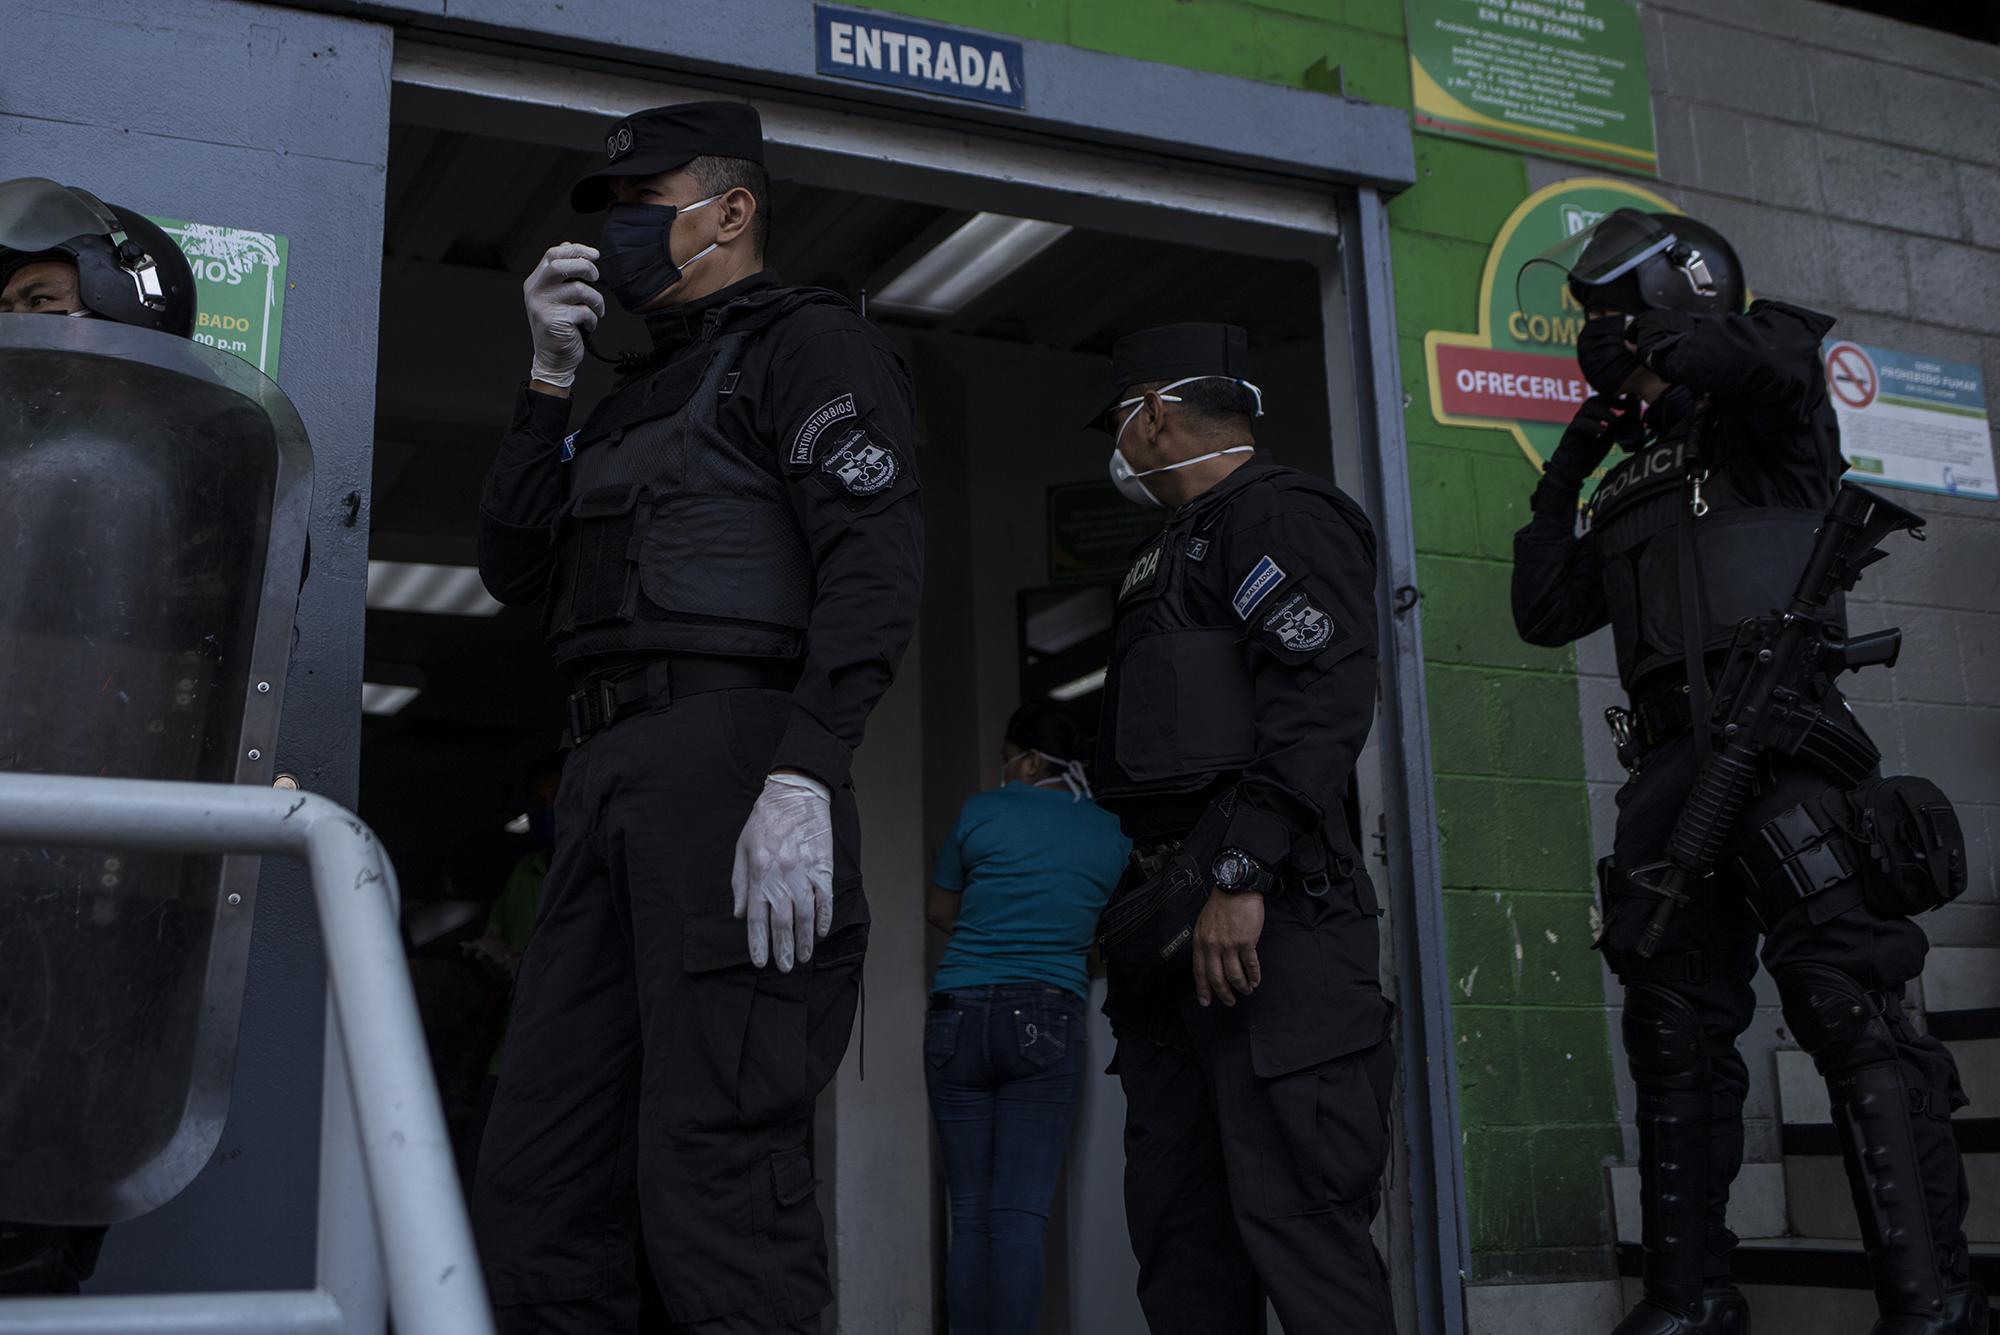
(1300, 626)
(815, 425)
(860, 465)
(569, 445)
(1265, 576)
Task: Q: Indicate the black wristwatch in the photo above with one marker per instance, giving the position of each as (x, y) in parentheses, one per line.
(1236, 872)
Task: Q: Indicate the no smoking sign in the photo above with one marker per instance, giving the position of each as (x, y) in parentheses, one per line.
(1851, 375)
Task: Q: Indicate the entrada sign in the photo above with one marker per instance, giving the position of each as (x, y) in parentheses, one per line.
(1519, 371)
(881, 48)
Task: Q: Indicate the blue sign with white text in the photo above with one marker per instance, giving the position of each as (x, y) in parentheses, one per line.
(884, 49)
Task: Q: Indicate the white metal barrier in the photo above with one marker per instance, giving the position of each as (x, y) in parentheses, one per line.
(398, 1209)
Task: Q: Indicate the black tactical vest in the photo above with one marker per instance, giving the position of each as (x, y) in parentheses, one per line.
(678, 536)
(1747, 557)
(1177, 695)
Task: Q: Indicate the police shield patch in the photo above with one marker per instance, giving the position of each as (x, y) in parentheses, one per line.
(862, 466)
(1299, 626)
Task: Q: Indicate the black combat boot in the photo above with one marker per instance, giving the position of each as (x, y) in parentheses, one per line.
(1964, 1314)
(1677, 1130)
(1721, 1311)
(1919, 1284)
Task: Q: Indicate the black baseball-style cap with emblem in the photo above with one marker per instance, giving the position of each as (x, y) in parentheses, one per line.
(1173, 352)
(647, 143)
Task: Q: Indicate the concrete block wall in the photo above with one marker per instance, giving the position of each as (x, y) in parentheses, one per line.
(1854, 161)
(1535, 1072)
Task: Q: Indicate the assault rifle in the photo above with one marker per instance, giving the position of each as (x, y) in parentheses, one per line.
(1771, 691)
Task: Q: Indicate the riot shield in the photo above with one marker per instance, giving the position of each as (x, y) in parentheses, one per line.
(154, 496)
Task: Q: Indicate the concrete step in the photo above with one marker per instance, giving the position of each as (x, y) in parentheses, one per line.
(1802, 1094)
(1817, 1195)
(1786, 1309)
(1756, 1201)
(1961, 978)
(1812, 1263)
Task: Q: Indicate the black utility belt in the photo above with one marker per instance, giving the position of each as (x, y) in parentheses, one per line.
(604, 696)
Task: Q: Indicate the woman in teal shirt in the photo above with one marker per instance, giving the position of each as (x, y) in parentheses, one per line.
(1019, 886)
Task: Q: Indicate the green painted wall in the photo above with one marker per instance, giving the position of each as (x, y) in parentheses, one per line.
(1539, 1110)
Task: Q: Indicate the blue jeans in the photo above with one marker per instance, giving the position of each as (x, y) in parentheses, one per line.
(1003, 1064)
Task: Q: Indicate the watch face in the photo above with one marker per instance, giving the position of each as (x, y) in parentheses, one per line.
(1229, 869)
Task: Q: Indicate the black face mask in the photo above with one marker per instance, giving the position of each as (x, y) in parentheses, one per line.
(636, 250)
(1602, 355)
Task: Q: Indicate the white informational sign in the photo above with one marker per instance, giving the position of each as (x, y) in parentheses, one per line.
(1908, 421)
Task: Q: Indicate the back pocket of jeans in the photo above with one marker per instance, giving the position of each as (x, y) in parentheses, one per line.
(940, 1036)
(1043, 1033)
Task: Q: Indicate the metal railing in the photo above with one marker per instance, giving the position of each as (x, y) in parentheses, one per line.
(402, 1211)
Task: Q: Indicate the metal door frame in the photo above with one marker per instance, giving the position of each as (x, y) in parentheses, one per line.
(1128, 179)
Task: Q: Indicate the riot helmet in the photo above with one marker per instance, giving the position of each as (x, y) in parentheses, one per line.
(127, 268)
(1632, 262)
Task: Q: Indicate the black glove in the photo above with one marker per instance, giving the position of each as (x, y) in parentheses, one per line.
(1656, 332)
(1599, 424)
(1602, 356)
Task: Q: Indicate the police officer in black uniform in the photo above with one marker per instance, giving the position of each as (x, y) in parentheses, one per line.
(1241, 687)
(1732, 465)
(731, 548)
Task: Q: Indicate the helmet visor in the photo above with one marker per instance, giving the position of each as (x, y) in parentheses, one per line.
(1603, 252)
(36, 214)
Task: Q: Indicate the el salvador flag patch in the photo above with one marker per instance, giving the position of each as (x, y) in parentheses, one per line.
(1265, 576)
(569, 446)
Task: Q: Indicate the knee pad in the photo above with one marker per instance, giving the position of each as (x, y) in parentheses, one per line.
(1836, 1020)
(1663, 1039)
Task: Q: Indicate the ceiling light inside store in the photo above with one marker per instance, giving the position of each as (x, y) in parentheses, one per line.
(379, 699)
(984, 250)
(1079, 687)
(409, 586)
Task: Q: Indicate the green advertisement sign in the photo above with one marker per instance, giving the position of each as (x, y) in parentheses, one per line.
(1563, 78)
(1093, 531)
(1518, 371)
(239, 280)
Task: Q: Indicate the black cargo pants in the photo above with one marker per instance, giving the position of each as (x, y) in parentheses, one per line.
(1256, 1135)
(652, 1076)
(1708, 958)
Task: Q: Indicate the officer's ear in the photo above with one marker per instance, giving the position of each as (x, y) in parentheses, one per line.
(1154, 414)
(737, 209)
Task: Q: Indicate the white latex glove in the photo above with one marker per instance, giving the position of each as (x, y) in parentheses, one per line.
(783, 879)
(561, 305)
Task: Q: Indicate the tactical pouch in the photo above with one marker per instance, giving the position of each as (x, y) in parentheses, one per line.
(1894, 844)
(594, 581)
(1801, 858)
(1913, 843)
(1146, 932)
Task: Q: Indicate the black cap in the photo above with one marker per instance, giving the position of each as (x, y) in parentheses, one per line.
(647, 143)
(1173, 352)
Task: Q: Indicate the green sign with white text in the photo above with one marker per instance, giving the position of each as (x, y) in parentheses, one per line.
(1561, 78)
(239, 281)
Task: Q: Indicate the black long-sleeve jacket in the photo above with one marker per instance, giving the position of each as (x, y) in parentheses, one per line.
(806, 383)
(1772, 440)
